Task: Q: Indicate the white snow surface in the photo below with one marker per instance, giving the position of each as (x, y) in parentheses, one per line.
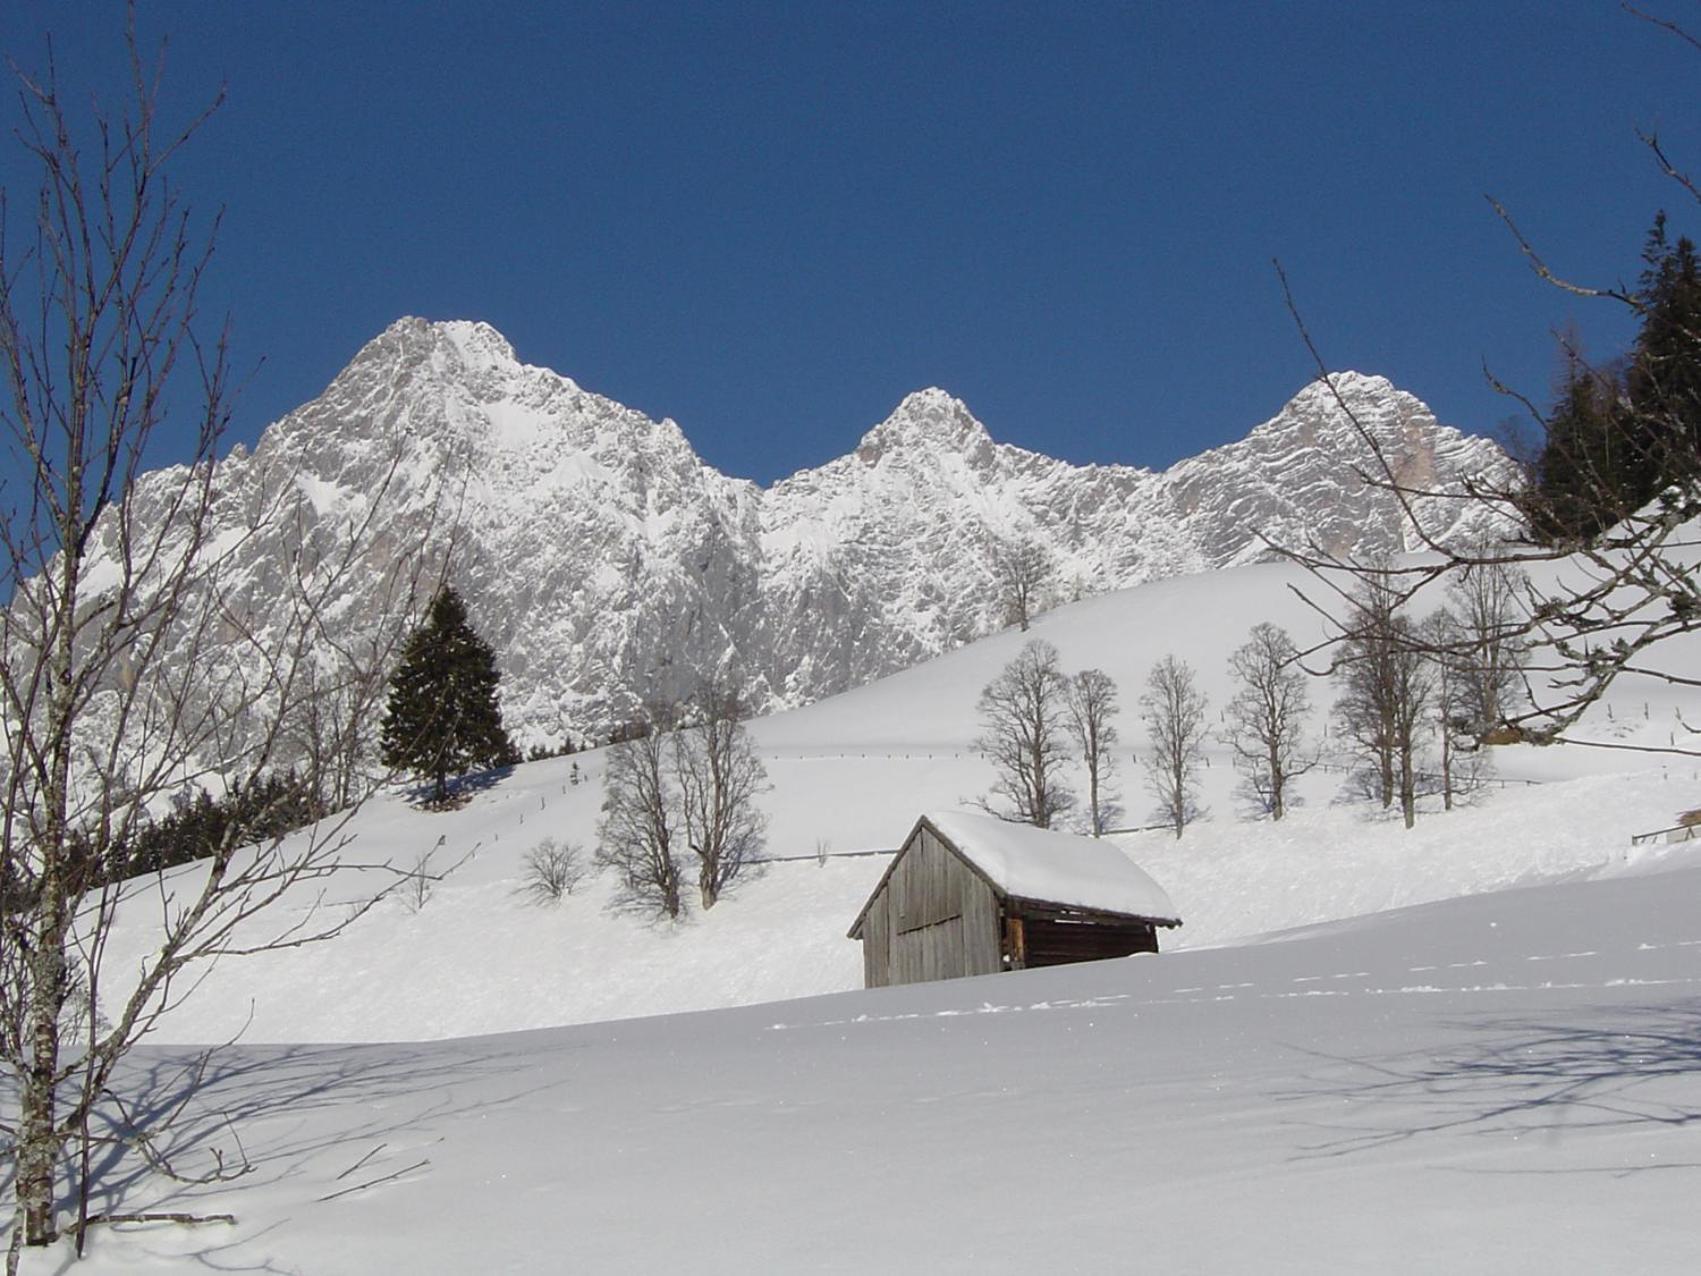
(1052, 867)
(1467, 1047)
(852, 774)
(1502, 1083)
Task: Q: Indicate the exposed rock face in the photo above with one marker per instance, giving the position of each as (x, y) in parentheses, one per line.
(607, 563)
(1295, 478)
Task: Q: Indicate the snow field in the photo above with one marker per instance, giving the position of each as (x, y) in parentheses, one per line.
(1503, 1083)
(853, 773)
(1499, 1074)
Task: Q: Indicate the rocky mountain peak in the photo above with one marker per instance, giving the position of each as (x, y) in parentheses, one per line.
(445, 359)
(611, 565)
(929, 421)
(478, 345)
(465, 344)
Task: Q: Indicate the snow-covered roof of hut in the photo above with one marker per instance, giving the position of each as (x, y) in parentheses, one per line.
(1049, 867)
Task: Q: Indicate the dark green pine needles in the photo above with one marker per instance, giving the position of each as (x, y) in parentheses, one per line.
(1620, 434)
(443, 718)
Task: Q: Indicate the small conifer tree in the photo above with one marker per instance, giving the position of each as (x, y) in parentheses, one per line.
(443, 718)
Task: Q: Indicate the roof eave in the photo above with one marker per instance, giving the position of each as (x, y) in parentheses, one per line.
(1167, 922)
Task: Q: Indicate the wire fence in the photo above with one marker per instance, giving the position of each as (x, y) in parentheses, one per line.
(1430, 781)
(820, 857)
(1676, 833)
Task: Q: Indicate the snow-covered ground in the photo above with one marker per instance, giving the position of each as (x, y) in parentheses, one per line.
(1435, 1072)
(853, 773)
(1509, 1082)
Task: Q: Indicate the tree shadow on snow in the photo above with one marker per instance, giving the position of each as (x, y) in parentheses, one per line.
(461, 790)
(1634, 1067)
(245, 1116)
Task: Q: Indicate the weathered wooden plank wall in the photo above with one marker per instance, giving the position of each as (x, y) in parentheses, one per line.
(934, 919)
(877, 946)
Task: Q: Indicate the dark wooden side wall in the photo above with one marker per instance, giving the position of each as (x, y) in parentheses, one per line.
(934, 919)
(1049, 942)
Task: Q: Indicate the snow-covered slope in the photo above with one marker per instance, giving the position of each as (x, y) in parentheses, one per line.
(1505, 1083)
(610, 563)
(851, 774)
(1502, 1082)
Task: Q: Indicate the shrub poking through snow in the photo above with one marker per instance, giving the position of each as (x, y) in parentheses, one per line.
(552, 870)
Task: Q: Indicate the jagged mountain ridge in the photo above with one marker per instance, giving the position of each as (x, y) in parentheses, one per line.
(607, 562)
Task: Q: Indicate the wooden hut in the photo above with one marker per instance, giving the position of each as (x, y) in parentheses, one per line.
(974, 895)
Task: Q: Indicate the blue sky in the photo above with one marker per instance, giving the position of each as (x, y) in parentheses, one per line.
(771, 221)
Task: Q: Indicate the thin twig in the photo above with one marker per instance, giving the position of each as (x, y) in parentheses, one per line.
(1665, 24)
(1541, 267)
(363, 1160)
(361, 1187)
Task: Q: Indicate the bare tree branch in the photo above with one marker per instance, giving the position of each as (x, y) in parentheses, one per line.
(134, 665)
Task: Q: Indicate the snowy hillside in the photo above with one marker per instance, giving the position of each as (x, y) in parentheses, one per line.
(1505, 1083)
(614, 564)
(1500, 1079)
(851, 774)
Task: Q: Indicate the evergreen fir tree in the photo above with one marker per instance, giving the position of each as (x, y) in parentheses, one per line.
(1664, 381)
(1583, 482)
(1616, 440)
(443, 718)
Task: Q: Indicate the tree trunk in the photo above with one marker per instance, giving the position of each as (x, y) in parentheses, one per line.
(1041, 801)
(1446, 767)
(38, 1138)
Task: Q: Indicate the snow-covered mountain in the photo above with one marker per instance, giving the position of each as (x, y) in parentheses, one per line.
(607, 562)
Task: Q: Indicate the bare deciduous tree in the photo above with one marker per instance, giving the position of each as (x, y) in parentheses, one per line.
(1413, 696)
(1266, 717)
(131, 668)
(1364, 708)
(1023, 570)
(1389, 683)
(1456, 702)
(638, 829)
(1092, 704)
(1173, 710)
(1024, 716)
(720, 778)
(1488, 636)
